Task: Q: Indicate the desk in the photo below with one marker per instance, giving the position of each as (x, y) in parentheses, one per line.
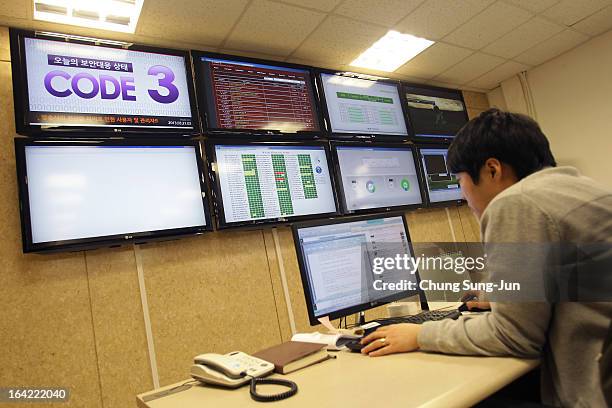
(398, 380)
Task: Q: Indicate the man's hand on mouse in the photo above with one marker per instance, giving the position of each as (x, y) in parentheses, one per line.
(473, 299)
(395, 338)
(478, 305)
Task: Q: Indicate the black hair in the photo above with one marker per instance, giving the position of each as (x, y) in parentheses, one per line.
(511, 138)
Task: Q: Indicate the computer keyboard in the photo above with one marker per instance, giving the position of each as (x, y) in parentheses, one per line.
(426, 316)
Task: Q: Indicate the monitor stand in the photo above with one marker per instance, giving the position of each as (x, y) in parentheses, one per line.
(361, 321)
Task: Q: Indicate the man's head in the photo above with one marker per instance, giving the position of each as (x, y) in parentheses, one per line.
(495, 150)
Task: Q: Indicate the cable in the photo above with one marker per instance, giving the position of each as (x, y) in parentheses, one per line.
(179, 388)
(293, 389)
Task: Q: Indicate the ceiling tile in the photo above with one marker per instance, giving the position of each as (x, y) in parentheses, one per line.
(552, 47)
(569, 12)
(493, 78)
(488, 26)
(434, 60)
(273, 28)
(384, 12)
(470, 68)
(454, 85)
(408, 78)
(15, 9)
(317, 64)
(524, 37)
(324, 5)
(436, 18)
(597, 23)
(251, 54)
(536, 6)
(195, 21)
(339, 39)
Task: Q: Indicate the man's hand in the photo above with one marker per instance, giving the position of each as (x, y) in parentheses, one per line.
(478, 305)
(473, 299)
(395, 338)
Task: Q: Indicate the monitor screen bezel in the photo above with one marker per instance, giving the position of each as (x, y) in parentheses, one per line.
(264, 134)
(339, 183)
(417, 138)
(429, 203)
(109, 240)
(356, 308)
(268, 222)
(22, 105)
(361, 135)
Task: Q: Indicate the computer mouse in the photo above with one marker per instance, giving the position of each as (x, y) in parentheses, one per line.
(354, 345)
(464, 308)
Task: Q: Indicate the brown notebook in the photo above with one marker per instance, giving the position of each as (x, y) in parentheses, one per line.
(293, 355)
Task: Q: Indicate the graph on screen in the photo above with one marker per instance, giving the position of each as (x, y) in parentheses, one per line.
(267, 182)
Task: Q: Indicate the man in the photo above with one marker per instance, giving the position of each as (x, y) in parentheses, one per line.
(509, 178)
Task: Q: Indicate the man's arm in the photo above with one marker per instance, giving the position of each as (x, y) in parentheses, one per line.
(510, 329)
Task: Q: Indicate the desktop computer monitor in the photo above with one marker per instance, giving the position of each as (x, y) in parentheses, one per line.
(434, 113)
(357, 106)
(442, 185)
(377, 176)
(338, 260)
(79, 86)
(261, 182)
(249, 95)
(93, 193)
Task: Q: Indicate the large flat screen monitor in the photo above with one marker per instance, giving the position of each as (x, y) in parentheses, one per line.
(64, 83)
(435, 113)
(244, 94)
(442, 186)
(338, 267)
(101, 193)
(377, 176)
(271, 182)
(359, 106)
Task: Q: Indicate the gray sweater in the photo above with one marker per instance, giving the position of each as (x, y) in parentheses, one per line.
(551, 205)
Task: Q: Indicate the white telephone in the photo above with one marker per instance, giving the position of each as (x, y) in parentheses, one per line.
(229, 370)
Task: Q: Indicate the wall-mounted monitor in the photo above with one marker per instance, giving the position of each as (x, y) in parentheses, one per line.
(245, 95)
(66, 83)
(336, 261)
(362, 107)
(441, 185)
(87, 194)
(375, 176)
(260, 183)
(434, 113)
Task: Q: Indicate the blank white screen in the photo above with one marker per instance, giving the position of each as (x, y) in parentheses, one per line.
(93, 191)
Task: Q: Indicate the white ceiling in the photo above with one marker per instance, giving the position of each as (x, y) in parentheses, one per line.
(479, 43)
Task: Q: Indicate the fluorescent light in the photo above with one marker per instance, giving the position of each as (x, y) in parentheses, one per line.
(71, 37)
(113, 15)
(392, 51)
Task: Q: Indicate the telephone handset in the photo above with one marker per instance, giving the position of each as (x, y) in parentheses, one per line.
(237, 368)
(230, 370)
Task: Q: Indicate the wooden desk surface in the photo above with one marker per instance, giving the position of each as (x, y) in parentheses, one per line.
(400, 380)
